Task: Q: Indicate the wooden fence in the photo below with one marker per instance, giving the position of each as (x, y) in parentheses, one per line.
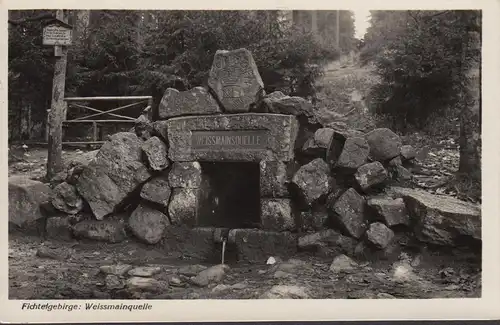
(98, 117)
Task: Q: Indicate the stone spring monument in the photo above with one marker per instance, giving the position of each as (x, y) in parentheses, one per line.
(263, 171)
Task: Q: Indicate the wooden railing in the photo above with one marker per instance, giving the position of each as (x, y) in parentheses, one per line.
(99, 116)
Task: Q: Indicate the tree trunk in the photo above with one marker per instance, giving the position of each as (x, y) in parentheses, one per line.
(56, 115)
(470, 118)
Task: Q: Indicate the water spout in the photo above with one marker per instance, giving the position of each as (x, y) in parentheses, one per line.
(223, 249)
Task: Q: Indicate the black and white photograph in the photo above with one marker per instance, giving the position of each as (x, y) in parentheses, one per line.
(244, 154)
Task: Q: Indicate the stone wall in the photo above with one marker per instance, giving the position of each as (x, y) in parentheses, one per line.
(323, 187)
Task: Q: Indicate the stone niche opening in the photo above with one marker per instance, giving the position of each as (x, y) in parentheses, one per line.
(229, 195)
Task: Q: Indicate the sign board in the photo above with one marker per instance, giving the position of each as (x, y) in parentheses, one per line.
(57, 35)
(216, 140)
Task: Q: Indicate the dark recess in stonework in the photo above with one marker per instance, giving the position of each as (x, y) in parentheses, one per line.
(230, 195)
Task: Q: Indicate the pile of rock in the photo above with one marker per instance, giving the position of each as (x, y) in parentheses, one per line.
(317, 177)
(347, 187)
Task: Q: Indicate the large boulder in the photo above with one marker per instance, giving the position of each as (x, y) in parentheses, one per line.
(273, 179)
(77, 164)
(25, 199)
(349, 212)
(196, 101)
(391, 211)
(156, 153)
(111, 231)
(289, 105)
(384, 144)
(185, 174)
(313, 180)
(408, 152)
(235, 80)
(157, 190)
(354, 153)
(276, 214)
(183, 206)
(441, 220)
(328, 242)
(337, 142)
(65, 198)
(371, 175)
(379, 235)
(148, 224)
(314, 219)
(116, 172)
(318, 144)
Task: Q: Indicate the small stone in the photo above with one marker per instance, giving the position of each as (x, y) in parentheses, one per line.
(144, 284)
(118, 270)
(192, 270)
(354, 153)
(379, 235)
(370, 175)
(313, 180)
(156, 153)
(239, 286)
(384, 144)
(54, 254)
(65, 198)
(113, 282)
(349, 209)
(175, 281)
(144, 271)
(281, 275)
(343, 263)
(383, 295)
(408, 152)
(213, 274)
(286, 292)
(220, 288)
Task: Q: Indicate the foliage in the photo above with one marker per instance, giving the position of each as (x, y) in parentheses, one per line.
(420, 64)
(30, 72)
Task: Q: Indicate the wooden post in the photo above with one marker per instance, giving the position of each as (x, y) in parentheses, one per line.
(56, 116)
(95, 135)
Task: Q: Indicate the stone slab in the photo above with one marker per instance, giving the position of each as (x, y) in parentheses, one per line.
(196, 101)
(235, 80)
(281, 131)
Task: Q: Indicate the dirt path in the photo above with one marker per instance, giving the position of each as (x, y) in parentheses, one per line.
(72, 271)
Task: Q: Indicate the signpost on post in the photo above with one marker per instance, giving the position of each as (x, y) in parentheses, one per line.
(57, 33)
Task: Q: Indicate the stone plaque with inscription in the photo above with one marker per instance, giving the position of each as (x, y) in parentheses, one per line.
(235, 80)
(196, 101)
(231, 137)
(217, 140)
